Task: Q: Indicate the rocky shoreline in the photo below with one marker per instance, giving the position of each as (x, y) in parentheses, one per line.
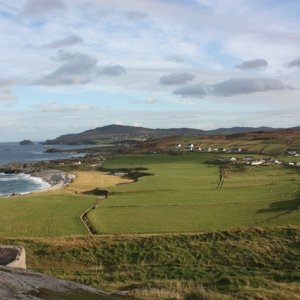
(55, 178)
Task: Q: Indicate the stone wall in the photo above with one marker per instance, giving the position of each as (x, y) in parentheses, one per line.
(12, 256)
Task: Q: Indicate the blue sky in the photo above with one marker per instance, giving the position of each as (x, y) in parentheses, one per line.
(71, 65)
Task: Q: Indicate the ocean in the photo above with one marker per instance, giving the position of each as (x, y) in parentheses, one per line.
(13, 152)
(22, 183)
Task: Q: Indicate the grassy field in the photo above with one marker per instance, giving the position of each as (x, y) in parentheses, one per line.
(181, 196)
(49, 214)
(53, 213)
(172, 234)
(248, 263)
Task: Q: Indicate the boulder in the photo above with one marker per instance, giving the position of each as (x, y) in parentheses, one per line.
(20, 284)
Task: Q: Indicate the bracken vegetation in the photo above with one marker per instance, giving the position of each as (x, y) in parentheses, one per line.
(249, 263)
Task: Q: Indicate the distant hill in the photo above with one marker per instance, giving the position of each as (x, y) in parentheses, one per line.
(234, 130)
(261, 142)
(120, 132)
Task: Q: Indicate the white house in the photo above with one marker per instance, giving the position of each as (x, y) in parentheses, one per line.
(290, 152)
(190, 147)
(257, 162)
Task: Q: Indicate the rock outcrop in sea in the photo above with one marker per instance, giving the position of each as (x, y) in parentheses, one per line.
(26, 143)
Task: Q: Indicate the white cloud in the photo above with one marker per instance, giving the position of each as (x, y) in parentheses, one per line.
(176, 78)
(66, 42)
(55, 107)
(116, 70)
(257, 63)
(232, 87)
(294, 63)
(148, 101)
(77, 68)
(6, 94)
(43, 7)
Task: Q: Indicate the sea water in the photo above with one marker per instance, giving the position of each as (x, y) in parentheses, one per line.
(20, 184)
(13, 152)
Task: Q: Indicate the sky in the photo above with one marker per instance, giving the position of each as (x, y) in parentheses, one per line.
(72, 65)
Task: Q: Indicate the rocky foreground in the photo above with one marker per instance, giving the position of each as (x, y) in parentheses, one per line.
(20, 284)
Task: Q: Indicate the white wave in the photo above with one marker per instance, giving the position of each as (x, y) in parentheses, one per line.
(37, 183)
(37, 180)
(6, 178)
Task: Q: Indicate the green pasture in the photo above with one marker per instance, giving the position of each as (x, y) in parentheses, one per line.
(181, 196)
(43, 214)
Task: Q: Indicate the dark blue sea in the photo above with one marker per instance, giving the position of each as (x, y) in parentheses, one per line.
(13, 152)
(22, 183)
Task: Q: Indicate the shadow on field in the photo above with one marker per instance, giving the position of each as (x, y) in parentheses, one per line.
(132, 173)
(281, 206)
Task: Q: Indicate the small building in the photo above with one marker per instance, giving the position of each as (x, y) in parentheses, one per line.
(236, 150)
(190, 147)
(290, 152)
(257, 162)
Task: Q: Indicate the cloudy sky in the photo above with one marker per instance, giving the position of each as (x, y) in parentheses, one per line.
(72, 65)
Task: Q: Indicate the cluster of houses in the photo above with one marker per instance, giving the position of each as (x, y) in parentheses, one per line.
(192, 147)
(270, 161)
(257, 162)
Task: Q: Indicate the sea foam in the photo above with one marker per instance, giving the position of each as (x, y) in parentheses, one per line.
(20, 184)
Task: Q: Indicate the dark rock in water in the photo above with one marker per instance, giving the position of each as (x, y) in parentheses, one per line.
(26, 143)
(24, 285)
(52, 150)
